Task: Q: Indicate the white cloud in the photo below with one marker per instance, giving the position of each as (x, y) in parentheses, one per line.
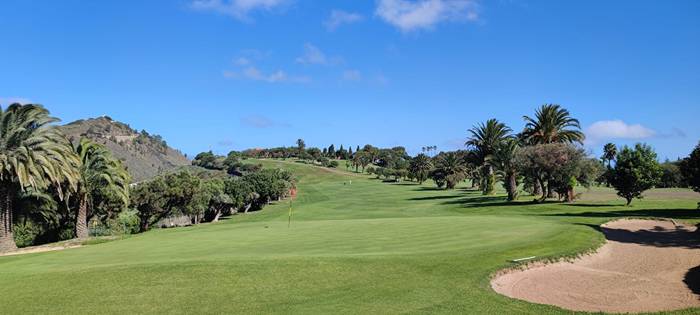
(245, 68)
(11, 100)
(242, 61)
(410, 15)
(312, 55)
(238, 9)
(339, 17)
(352, 75)
(616, 129)
(254, 74)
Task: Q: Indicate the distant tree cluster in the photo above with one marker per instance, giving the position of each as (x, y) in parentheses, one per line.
(326, 157)
(207, 199)
(544, 157)
(156, 140)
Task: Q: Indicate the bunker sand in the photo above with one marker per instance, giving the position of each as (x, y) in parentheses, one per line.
(645, 266)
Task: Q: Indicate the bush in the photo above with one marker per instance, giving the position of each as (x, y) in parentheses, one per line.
(127, 222)
(333, 164)
(26, 233)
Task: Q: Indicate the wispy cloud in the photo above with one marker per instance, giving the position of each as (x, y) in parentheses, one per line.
(380, 80)
(254, 74)
(352, 75)
(339, 17)
(262, 122)
(245, 68)
(425, 14)
(313, 55)
(12, 100)
(238, 9)
(616, 129)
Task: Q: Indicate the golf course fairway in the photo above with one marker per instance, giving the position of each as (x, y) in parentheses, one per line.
(355, 245)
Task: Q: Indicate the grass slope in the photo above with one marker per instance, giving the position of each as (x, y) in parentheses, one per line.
(365, 247)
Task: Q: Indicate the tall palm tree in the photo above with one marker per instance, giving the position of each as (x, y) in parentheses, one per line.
(34, 155)
(504, 162)
(484, 140)
(98, 171)
(551, 124)
(609, 153)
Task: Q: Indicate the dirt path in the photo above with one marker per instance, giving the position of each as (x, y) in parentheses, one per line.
(645, 266)
(41, 249)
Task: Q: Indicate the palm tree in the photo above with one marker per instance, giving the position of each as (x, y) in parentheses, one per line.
(98, 171)
(504, 162)
(34, 155)
(609, 153)
(450, 169)
(484, 140)
(552, 124)
(301, 145)
(420, 167)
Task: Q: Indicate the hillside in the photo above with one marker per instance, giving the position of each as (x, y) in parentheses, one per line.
(144, 155)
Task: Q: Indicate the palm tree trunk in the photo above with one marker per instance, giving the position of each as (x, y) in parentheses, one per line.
(81, 228)
(489, 181)
(7, 239)
(512, 187)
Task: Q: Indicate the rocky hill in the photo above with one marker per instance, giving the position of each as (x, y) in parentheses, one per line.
(144, 155)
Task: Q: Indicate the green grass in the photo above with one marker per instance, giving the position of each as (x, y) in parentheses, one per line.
(365, 247)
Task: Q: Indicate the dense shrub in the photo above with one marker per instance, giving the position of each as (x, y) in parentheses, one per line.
(26, 233)
(671, 176)
(127, 222)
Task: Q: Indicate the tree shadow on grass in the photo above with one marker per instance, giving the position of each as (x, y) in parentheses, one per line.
(589, 205)
(643, 213)
(692, 280)
(433, 198)
(490, 201)
(406, 184)
(423, 188)
(657, 236)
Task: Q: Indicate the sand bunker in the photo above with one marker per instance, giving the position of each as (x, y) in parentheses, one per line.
(645, 266)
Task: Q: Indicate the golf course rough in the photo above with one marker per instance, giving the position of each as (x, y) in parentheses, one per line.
(368, 247)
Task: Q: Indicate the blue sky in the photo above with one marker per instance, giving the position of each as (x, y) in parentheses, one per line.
(225, 75)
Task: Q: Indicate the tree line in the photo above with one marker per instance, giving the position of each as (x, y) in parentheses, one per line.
(545, 159)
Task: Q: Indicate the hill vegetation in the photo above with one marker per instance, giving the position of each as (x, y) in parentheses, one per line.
(144, 155)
